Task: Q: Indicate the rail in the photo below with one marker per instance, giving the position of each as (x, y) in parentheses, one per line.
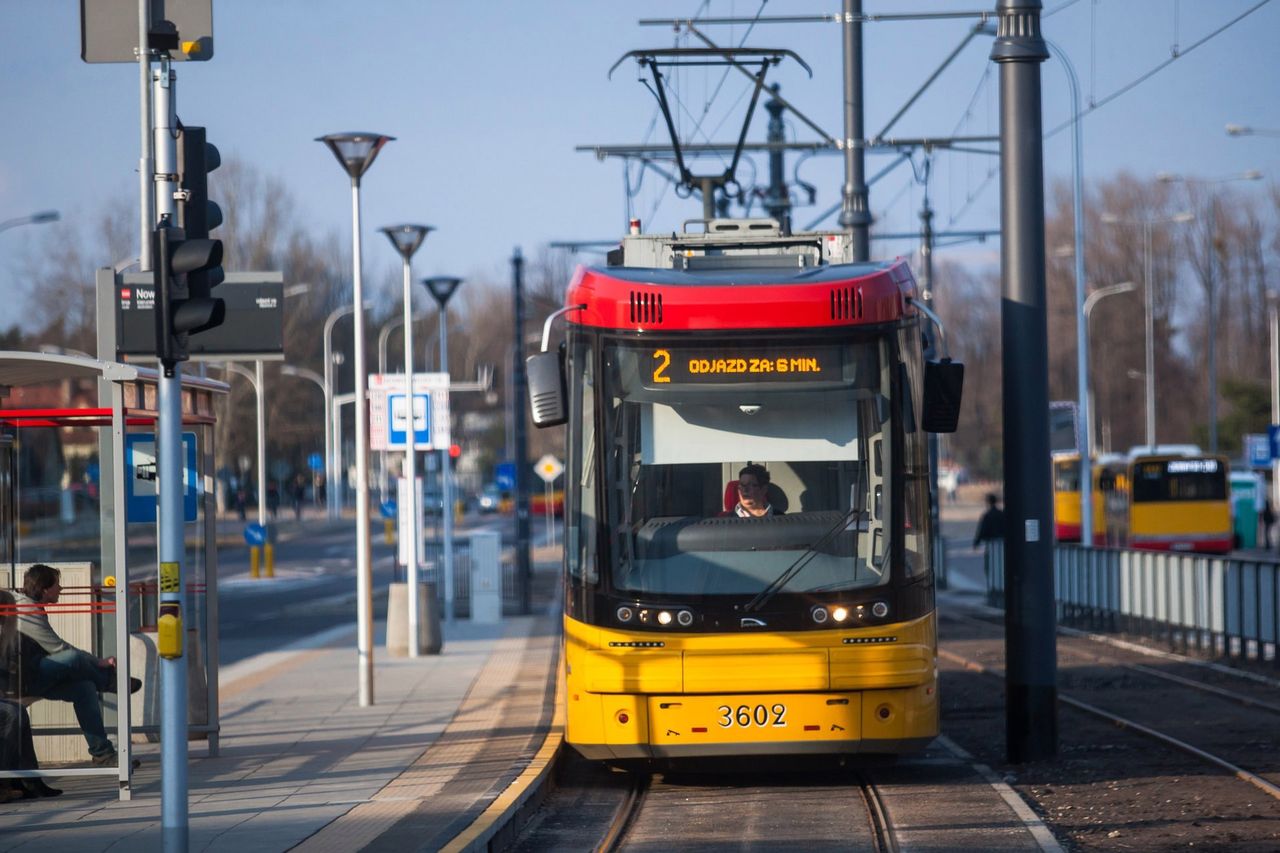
(1223, 606)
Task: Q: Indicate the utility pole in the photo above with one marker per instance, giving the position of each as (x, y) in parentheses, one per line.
(1030, 644)
(853, 209)
(169, 520)
(926, 293)
(520, 381)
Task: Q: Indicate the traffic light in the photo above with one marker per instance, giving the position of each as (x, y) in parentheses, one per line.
(188, 263)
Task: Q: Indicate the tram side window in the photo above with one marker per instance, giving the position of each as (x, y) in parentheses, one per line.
(581, 522)
(915, 458)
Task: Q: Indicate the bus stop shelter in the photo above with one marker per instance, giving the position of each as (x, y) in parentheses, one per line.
(97, 526)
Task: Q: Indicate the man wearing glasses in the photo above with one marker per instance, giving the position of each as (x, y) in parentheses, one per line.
(753, 494)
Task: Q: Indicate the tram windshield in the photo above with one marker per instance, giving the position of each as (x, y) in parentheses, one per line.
(684, 426)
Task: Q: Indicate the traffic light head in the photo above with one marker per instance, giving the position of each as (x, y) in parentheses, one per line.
(188, 262)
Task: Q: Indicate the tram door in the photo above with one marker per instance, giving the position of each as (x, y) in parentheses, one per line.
(8, 510)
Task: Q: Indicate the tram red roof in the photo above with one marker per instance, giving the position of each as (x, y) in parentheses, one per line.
(640, 299)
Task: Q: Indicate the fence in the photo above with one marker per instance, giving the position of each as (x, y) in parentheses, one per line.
(1220, 605)
(434, 561)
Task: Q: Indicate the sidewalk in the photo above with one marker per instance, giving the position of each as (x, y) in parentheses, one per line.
(300, 761)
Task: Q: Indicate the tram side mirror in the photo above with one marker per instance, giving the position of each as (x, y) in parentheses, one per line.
(547, 397)
(943, 387)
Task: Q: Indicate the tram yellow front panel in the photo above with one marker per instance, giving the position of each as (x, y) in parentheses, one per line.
(754, 717)
(727, 672)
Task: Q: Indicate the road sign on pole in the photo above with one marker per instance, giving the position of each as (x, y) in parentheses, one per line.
(388, 412)
(548, 468)
(1258, 449)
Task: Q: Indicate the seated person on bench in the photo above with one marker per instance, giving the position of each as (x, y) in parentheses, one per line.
(62, 671)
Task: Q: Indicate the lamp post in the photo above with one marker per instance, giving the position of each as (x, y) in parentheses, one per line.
(259, 387)
(384, 336)
(37, 218)
(332, 498)
(1245, 130)
(1149, 305)
(356, 152)
(1089, 303)
(1210, 287)
(407, 239)
(442, 287)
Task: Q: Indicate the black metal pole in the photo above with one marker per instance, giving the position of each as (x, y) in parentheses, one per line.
(854, 213)
(520, 389)
(778, 201)
(1030, 644)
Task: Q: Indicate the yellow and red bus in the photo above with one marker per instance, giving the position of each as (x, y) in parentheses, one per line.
(1066, 500)
(1170, 502)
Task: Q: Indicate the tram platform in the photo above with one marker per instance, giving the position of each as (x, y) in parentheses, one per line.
(453, 746)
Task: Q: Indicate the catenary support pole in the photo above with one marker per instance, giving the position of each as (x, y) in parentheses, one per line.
(173, 667)
(854, 215)
(926, 291)
(1030, 645)
(520, 391)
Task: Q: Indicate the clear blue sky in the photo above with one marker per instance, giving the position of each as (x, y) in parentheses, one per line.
(488, 100)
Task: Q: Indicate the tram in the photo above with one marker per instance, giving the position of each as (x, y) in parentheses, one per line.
(697, 367)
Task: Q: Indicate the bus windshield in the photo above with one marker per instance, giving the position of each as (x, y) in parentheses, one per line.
(688, 431)
(1190, 479)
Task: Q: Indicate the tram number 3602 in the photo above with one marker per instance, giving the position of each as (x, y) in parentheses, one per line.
(748, 716)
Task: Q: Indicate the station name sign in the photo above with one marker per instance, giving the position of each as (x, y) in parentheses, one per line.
(253, 328)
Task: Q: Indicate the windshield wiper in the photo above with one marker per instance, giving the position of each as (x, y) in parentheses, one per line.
(765, 595)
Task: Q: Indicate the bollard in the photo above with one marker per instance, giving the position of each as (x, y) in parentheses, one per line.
(270, 552)
(389, 531)
(253, 561)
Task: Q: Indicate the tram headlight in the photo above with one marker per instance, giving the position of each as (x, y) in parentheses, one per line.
(625, 614)
(819, 614)
(664, 617)
(840, 614)
(879, 609)
(685, 618)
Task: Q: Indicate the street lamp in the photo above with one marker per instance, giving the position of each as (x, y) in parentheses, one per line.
(1089, 303)
(332, 497)
(259, 388)
(38, 218)
(1210, 287)
(442, 287)
(1147, 224)
(406, 239)
(384, 335)
(1245, 130)
(356, 152)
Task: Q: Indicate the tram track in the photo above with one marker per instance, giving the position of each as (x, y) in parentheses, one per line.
(712, 811)
(1237, 736)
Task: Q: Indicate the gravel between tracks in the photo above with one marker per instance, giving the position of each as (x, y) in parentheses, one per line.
(1108, 789)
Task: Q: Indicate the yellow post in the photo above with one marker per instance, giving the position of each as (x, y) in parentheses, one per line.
(271, 559)
(389, 531)
(253, 561)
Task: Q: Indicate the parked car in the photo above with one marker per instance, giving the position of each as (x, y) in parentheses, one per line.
(489, 499)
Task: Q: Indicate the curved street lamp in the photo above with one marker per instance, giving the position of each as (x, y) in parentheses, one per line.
(37, 218)
(355, 152)
(443, 287)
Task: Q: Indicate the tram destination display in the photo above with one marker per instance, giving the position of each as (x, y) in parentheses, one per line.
(663, 366)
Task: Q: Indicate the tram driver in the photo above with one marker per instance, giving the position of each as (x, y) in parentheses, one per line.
(753, 494)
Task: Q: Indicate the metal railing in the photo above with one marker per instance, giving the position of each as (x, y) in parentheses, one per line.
(433, 557)
(1222, 606)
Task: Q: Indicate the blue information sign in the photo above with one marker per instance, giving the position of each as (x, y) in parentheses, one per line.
(398, 420)
(315, 462)
(387, 508)
(255, 534)
(1273, 440)
(1257, 448)
(504, 475)
(140, 477)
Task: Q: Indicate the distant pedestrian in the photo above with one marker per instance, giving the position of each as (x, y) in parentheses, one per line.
(1268, 521)
(273, 498)
(299, 495)
(991, 525)
(242, 501)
